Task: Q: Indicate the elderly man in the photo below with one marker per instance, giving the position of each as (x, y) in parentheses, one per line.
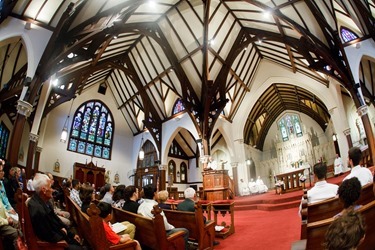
(46, 224)
(363, 174)
(189, 203)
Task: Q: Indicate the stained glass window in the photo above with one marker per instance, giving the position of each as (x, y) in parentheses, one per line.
(4, 137)
(92, 130)
(347, 35)
(290, 125)
(178, 107)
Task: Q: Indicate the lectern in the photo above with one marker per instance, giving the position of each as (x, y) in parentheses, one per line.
(217, 185)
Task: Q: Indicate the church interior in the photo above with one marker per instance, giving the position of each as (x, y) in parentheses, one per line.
(211, 94)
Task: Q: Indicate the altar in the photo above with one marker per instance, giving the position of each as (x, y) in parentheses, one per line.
(291, 179)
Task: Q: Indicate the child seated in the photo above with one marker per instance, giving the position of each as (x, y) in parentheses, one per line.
(112, 237)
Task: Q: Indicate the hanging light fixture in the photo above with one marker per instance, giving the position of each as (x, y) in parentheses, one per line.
(141, 151)
(64, 132)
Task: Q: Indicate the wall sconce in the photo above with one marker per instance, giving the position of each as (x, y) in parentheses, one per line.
(334, 137)
(141, 151)
(178, 174)
(64, 132)
(248, 162)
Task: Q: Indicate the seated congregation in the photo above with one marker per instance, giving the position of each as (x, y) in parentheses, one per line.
(339, 217)
(117, 218)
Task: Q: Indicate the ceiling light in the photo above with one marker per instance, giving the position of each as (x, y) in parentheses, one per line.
(141, 151)
(64, 132)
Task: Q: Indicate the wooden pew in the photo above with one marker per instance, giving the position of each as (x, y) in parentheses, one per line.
(151, 232)
(224, 207)
(200, 232)
(90, 227)
(329, 208)
(30, 237)
(316, 230)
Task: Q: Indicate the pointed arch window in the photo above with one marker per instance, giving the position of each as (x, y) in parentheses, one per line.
(178, 106)
(4, 137)
(92, 130)
(347, 35)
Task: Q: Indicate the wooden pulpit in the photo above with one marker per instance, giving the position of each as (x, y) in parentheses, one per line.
(217, 185)
(89, 173)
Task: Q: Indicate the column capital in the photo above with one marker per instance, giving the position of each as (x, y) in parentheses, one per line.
(234, 164)
(33, 137)
(363, 110)
(24, 108)
(346, 131)
(39, 149)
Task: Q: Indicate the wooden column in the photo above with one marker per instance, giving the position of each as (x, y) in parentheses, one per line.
(30, 155)
(24, 110)
(348, 137)
(362, 112)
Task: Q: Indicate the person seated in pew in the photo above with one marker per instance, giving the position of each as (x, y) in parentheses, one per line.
(4, 198)
(363, 174)
(86, 194)
(74, 192)
(162, 198)
(346, 232)
(189, 203)
(131, 197)
(8, 229)
(150, 197)
(112, 237)
(106, 192)
(322, 190)
(119, 196)
(46, 224)
(262, 188)
(63, 215)
(349, 193)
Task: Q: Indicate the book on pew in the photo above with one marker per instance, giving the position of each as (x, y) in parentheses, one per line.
(118, 227)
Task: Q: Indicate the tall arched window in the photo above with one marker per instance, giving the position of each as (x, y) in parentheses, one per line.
(4, 136)
(92, 130)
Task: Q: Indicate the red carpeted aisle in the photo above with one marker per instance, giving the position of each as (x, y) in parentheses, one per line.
(262, 230)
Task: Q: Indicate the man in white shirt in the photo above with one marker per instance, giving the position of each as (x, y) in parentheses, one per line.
(338, 165)
(363, 174)
(322, 190)
(150, 197)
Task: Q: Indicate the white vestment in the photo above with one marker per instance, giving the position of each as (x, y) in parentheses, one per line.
(244, 189)
(338, 166)
(253, 187)
(261, 187)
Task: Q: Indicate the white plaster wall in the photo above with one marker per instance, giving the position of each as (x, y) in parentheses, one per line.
(35, 40)
(53, 149)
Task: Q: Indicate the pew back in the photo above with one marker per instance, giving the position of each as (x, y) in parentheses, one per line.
(316, 230)
(90, 227)
(151, 232)
(329, 208)
(203, 233)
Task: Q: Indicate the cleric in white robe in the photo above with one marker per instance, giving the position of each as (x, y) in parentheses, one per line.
(244, 188)
(253, 187)
(338, 165)
(262, 188)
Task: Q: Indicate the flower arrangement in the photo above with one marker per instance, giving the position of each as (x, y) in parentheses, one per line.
(279, 183)
(302, 178)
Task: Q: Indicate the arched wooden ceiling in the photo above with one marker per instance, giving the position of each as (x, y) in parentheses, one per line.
(149, 53)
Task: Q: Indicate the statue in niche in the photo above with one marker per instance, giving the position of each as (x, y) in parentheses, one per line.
(314, 137)
(117, 178)
(273, 149)
(107, 177)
